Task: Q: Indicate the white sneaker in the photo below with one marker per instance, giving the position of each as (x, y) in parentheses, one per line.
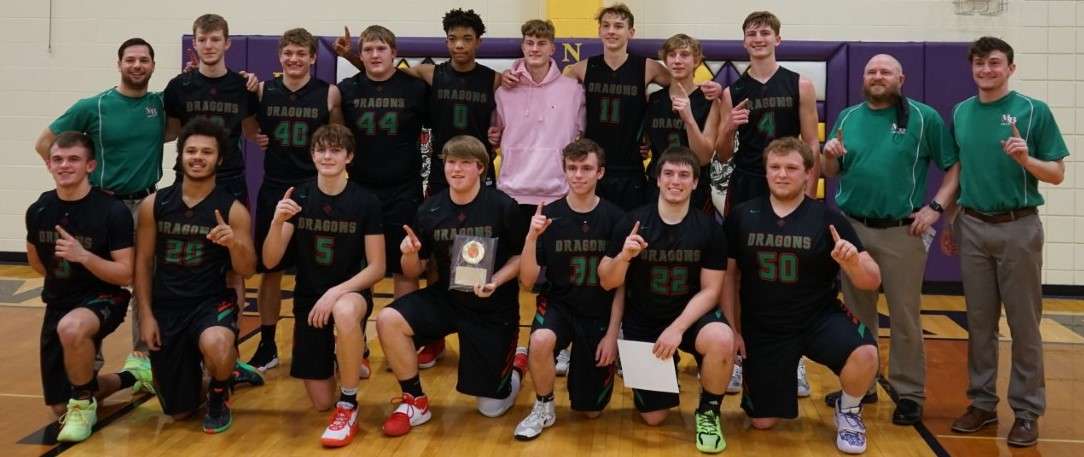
(342, 426)
(803, 382)
(541, 417)
(735, 381)
(563, 358)
(850, 430)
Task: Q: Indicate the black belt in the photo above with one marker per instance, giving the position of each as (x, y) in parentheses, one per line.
(137, 195)
(883, 223)
(1002, 217)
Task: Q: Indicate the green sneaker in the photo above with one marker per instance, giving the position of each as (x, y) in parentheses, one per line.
(140, 367)
(79, 421)
(244, 373)
(709, 435)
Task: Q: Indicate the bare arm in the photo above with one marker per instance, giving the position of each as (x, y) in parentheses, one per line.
(374, 268)
(45, 140)
(864, 274)
(33, 259)
(411, 265)
(276, 242)
(655, 72)
(699, 141)
(334, 105)
(576, 71)
(528, 263)
(250, 128)
(242, 253)
(729, 121)
(117, 270)
(144, 254)
(711, 286)
(173, 128)
(508, 272)
(1051, 172)
(807, 117)
(423, 71)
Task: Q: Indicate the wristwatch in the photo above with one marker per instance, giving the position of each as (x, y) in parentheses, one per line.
(936, 206)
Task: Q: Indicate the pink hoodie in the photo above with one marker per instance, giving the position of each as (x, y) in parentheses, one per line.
(539, 120)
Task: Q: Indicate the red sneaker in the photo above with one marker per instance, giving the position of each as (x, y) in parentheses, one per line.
(428, 355)
(410, 413)
(342, 426)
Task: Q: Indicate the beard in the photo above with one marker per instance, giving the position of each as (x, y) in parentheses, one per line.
(890, 96)
(128, 82)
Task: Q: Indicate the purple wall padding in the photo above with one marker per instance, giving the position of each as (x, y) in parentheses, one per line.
(937, 74)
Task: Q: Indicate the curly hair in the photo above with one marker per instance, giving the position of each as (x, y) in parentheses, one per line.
(460, 18)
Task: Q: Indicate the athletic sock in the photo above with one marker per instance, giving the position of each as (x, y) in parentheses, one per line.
(217, 389)
(267, 334)
(709, 401)
(126, 379)
(412, 386)
(349, 396)
(846, 401)
(544, 398)
(85, 391)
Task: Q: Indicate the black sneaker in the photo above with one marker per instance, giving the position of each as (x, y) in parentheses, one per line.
(908, 412)
(266, 356)
(218, 418)
(833, 397)
(244, 373)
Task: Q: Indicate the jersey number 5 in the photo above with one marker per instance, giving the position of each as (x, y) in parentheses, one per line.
(777, 266)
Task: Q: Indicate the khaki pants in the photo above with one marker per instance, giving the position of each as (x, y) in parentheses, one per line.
(1002, 264)
(902, 259)
(137, 342)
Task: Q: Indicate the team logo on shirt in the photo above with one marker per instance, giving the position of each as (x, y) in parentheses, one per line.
(896, 130)
(152, 111)
(1008, 119)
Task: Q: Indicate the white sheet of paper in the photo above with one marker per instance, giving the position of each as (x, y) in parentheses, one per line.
(642, 370)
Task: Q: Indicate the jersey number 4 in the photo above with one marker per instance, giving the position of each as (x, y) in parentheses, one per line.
(292, 134)
(777, 266)
(368, 124)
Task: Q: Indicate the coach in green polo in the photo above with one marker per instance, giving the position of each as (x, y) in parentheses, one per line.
(881, 151)
(127, 125)
(1007, 143)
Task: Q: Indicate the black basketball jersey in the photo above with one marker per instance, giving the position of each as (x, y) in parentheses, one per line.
(190, 270)
(329, 236)
(99, 221)
(461, 103)
(773, 113)
(491, 214)
(665, 276)
(386, 118)
(289, 119)
(788, 275)
(570, 250)
(616, 105)
(224, 100)
(665, 128)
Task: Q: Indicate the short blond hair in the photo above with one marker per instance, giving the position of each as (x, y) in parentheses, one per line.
(679, 41)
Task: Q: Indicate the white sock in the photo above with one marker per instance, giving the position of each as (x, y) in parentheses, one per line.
(847, 401)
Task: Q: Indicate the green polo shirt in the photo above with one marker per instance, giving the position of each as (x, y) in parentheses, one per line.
(990, 180)
(127, 134)
(883, 174)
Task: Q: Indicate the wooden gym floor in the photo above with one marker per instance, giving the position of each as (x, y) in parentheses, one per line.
(277, 419)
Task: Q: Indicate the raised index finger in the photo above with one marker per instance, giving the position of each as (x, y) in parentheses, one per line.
(288, 193)
(63, 233)
(635, 228)
(218, 217)
(346, 33)
(538, 210)
(743, 104)
(1015, 131)
(835, 234)
(410, 232)
(839, 135)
